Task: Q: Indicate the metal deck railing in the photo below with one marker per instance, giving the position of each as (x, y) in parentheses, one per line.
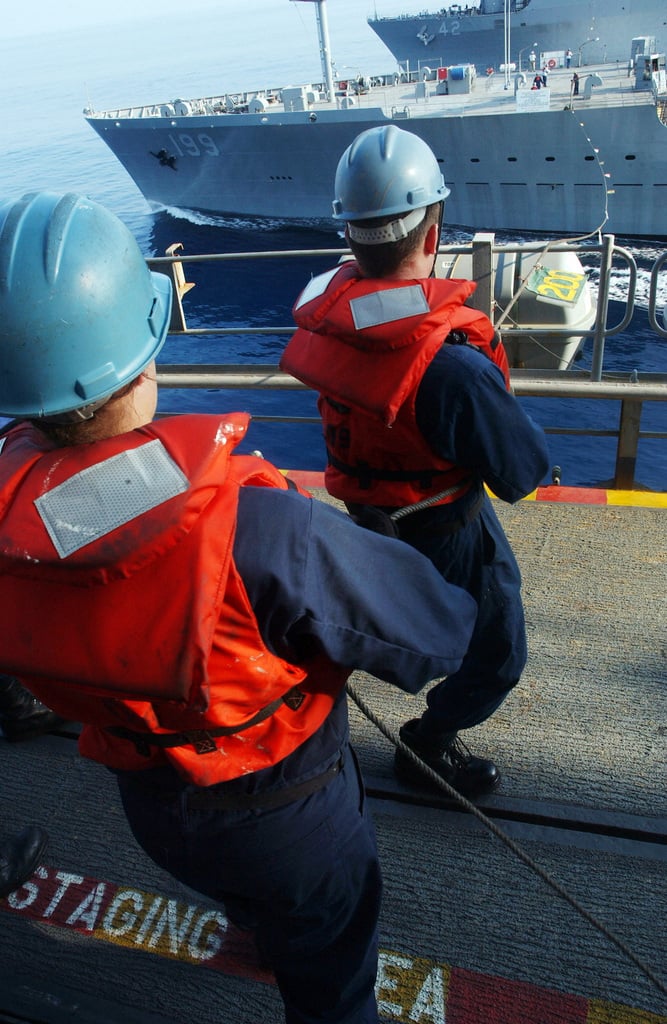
(630, 390)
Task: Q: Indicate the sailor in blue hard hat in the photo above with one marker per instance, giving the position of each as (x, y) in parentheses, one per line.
(81, 313)
(197, 614)
(387, 171)
(418, 416)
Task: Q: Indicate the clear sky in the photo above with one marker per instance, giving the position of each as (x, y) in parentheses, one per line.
(26, 17)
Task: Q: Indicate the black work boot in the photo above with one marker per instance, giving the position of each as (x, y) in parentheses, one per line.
(450, 759)
(20, 856)
(22, 716)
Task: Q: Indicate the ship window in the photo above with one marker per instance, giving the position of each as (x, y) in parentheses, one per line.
(550, 159)
(511, 159)
(590, 158)
(474, 159)
(630, 156)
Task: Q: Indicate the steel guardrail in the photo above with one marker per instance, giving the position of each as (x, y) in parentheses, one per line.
(631, 390)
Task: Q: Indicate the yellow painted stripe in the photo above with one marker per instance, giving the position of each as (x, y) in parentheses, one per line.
(642, 499)
(573, 495)
(609, 1013)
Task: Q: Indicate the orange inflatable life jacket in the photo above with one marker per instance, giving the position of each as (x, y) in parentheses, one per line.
(365, 345)
(125, 610)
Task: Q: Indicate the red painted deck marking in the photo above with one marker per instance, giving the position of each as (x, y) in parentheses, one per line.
(574, 495)
(408, 988)
(481, 999)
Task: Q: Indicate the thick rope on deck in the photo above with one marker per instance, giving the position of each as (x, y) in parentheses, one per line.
(516, 849)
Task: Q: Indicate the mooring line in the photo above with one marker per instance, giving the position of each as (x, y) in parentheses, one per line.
(518, 850)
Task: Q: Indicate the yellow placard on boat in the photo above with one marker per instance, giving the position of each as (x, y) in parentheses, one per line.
(560, 286)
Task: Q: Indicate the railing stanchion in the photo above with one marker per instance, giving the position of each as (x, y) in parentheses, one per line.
(603, 305)
(628, 443)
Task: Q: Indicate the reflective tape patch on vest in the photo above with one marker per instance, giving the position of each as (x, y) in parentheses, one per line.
(386, 306)
(103, 497)
(316, 286)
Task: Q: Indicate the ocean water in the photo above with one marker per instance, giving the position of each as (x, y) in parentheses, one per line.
(46, 143)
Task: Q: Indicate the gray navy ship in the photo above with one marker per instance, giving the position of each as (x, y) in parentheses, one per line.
(596, 31)
(582, 149)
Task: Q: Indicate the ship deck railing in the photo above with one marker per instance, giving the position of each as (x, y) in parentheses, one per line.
(632, 390)
(415, 90)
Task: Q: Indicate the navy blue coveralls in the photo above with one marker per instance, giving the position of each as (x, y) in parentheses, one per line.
(304, 875)
(469, 418)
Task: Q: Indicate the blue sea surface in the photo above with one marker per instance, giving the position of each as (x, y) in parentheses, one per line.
(47, 144)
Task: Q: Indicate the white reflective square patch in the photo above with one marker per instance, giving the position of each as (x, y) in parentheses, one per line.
(316, 286)
(102, 497)
(386, 306)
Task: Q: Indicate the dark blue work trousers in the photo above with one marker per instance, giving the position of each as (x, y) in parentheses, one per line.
(478, 558)
(305, 877)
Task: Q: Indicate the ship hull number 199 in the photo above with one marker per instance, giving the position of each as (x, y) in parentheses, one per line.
(201, 144)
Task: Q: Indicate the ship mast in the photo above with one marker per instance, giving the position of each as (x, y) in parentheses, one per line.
(325, 46)
(508, 47)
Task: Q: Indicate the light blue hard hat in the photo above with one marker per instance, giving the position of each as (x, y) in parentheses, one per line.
(80, 313)
(386, 170)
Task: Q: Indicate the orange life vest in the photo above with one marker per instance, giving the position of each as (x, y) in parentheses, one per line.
(365, 345)
(123, 608)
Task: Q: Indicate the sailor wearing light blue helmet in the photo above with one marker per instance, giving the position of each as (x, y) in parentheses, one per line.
(418, 417)
(80, 309)
(387, 171)
(128, 546)
(73, 288)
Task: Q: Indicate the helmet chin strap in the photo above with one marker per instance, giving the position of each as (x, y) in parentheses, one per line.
(392, 232)
(84, 412)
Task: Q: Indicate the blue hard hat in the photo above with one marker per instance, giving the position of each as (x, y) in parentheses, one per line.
(386, 170)
(80, 313)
